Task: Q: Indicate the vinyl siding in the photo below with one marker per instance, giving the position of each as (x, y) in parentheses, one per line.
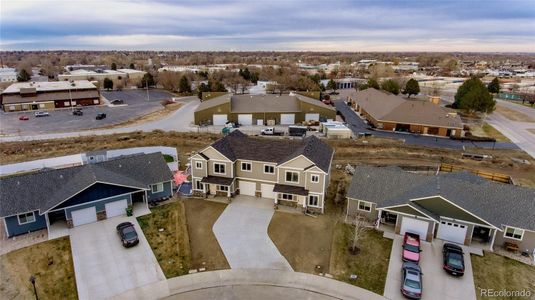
(13, 227)
(316, 187)
(257, 171)
(167, 192)
(198, 172)
(527, 242)
(95, 192)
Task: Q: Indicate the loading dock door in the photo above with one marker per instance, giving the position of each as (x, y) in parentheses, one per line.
(287, 119)
(220, 119)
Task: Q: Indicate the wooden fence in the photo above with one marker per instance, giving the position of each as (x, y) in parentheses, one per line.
(503, 178)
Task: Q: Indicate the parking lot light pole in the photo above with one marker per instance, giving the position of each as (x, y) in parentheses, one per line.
(32, 280)
(70, 97)
(147, 85)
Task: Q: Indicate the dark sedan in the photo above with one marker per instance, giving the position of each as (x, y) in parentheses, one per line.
(453, 258)
(128, 234)
(411, 280)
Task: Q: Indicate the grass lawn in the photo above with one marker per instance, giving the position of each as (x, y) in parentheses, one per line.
(171, 245)
(370, 264)
(496, 272)
(205, 250)
(50, 262)
(494, 133)
(304, 241)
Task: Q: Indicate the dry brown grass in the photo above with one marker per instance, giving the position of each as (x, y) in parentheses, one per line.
(50, 262)
(171, 245)
(156, 115)
(514, 115)
(205, 250)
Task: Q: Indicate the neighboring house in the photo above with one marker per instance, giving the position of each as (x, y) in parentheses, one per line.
(49, 95)
(291, 172)
(458, 207)
(267, 109)
(82, 194)
(396, 113)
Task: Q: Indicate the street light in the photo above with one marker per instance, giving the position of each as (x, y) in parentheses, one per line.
(32, 280)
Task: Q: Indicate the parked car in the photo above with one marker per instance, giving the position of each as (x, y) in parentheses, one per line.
(41, 114)
(100, 116)
(78, 112)
(411, 280)
(271, 131)
(117, 102)
(24, 118)
(128, 234)
(297, 130)
(364, 134)
(411, 247)
(453, 258)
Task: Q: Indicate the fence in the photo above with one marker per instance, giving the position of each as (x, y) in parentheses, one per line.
(503, 178)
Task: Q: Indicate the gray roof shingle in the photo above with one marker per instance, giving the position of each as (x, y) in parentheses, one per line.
(497, 203)
(46, 189)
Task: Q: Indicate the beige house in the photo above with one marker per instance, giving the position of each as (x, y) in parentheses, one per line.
(291, 172)
(457, 207)
(396, 113)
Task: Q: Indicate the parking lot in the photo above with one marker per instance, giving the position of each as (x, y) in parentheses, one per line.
(136, 105)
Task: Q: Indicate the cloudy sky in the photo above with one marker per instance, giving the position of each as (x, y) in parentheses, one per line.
(310, 25)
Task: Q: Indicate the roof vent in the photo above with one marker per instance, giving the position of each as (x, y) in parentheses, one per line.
(61, 176)
(120, 166)
(18, 182)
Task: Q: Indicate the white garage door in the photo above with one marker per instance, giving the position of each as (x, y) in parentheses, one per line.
(452, 232)
(414, 226)
(267, 191)
(287, 119)
(220, 119)
(84, 216)
(116, 208)
(247, 188)
(312, 117)
(245, 119)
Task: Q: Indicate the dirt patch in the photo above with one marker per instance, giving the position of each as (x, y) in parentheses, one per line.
(205, 250)
(496, 272)
(304, 241)
(514, 115)
(51, 264)
(167, 233)
(370, 264)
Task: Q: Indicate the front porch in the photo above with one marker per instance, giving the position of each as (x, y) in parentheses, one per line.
(214, 185)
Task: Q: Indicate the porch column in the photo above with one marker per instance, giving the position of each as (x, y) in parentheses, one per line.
(147, 199)
(491, 248)
(47, 223)
(378, 219)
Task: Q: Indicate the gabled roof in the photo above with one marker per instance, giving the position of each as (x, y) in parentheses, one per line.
(237, 145)
(497, 203)
(46, 189)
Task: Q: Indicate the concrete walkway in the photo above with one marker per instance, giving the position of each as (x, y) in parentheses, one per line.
(241, 231)
(251, 284)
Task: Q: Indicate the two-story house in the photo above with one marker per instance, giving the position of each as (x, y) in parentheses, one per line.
(291, 172)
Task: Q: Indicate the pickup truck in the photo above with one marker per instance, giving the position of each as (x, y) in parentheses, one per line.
(41, 114)
(271, 131)
(411, 247)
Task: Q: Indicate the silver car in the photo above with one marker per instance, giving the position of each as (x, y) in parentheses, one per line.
(411, 280)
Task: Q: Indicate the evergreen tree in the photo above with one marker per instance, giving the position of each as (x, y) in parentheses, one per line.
(390, 86)
(183, 85)
(148, 79)
(108, 84)
(373, 84)
(114, 66)
(494, 86)
(412, 87)
(473, 96)
(132, 66)
(331, 85)
(23, 76)
(203, 88)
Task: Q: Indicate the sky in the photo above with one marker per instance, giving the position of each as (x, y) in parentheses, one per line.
(309, 25)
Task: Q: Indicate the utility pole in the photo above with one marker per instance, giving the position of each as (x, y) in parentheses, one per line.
(147, 85)
(70, 97)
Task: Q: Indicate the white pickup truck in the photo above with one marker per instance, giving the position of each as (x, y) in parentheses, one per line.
(271, 131)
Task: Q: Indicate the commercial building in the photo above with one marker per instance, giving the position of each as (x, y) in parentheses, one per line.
(48, 95)
(8, 75)
(270, 109)
(396, 113)
(120, 78)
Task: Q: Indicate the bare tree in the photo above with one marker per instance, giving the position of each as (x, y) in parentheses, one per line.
(361, 225)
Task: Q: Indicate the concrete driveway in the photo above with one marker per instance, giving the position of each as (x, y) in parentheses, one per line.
(241, 231)
(103, 267)
(437, 284)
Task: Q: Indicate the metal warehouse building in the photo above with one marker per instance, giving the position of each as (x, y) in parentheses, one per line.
(49, 95)
(262, 110)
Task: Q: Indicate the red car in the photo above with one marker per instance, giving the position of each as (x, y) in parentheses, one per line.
(24, 118)
(411, 247)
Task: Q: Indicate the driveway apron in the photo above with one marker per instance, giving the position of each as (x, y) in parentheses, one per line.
(241, 231)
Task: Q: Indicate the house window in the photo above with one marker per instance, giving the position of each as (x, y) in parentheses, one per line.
(66, 103)
(198, 165)
(292, 176)
(198, 185)
(269, 169)
(365, 206)
(222, 188)
(26, 218)
(246, 166)
(288, 197)
(514, 233)
(315, 178)
(219, 168)
(157, 188)
(313, 200)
